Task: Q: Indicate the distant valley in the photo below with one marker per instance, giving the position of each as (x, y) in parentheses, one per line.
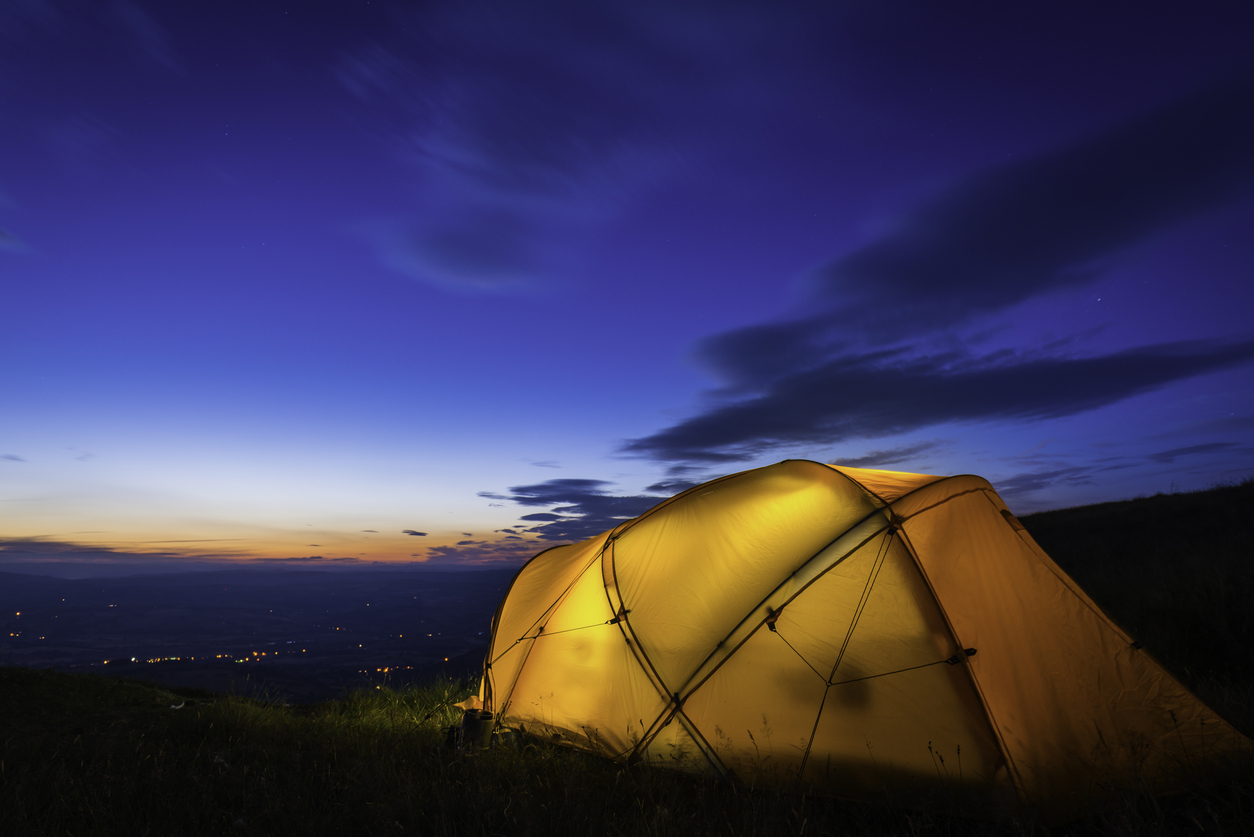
(285, 634)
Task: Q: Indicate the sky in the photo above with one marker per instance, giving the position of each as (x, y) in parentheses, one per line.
(447, 283)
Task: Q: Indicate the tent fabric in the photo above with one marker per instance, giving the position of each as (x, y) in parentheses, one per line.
(858, 632)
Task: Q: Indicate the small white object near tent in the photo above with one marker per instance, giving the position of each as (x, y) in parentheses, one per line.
(859, 632)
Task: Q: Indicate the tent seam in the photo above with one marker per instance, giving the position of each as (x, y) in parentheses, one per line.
(1020, 791)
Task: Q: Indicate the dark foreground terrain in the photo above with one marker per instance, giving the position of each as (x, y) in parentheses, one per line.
(102, 755)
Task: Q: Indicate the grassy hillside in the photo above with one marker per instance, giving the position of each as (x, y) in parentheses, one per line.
(90, 755)
(1177, 572)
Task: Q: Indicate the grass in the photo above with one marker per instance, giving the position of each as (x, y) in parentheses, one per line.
(86, 755)
(1177, 572)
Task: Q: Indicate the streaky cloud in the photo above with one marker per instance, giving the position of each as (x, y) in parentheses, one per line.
(855, 366)
(1166, 457)
(1009, 234)
(879, 458)
(853, 397)
(1033, 481)
(10, 242)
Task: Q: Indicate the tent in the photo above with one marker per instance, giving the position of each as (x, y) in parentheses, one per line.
(858, 632)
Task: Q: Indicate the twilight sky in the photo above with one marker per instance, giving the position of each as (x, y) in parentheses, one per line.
(456, 281)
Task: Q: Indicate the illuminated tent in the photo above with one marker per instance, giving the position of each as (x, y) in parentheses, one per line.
(864, 633)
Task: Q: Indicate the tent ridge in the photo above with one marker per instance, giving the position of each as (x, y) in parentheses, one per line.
(941, 502)
(883, 503)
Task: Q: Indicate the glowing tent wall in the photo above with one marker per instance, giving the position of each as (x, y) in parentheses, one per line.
(863, 632)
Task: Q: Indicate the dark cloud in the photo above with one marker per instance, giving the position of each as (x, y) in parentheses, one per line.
(308, 559)
(47, 556)
(415, 534)
(1010, 234)
(581, 507)
(1227, 424)
(372, 531)
(879, 458)
(500, 552)
(868, 396)
(671, 487)
(855, 366)
(1169, 456)
(547, 493)
(44, 547)
(12, 457)
(1014, 232)
(1037, 480)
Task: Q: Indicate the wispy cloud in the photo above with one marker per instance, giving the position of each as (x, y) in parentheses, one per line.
(10, 242)
(879, 395)
(310, 559)
(1028, 483)
(1169, 456)
(892, 456)
(529, 125)
(151, 37)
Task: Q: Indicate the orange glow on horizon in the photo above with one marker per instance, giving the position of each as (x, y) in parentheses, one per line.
(250, 548)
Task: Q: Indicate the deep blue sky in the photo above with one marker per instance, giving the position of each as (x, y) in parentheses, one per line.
(287, 280)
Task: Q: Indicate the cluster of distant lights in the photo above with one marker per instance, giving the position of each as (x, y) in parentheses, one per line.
(19, 633)
(255, 658)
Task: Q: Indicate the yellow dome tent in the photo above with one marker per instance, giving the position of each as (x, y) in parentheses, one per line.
(860, 632)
